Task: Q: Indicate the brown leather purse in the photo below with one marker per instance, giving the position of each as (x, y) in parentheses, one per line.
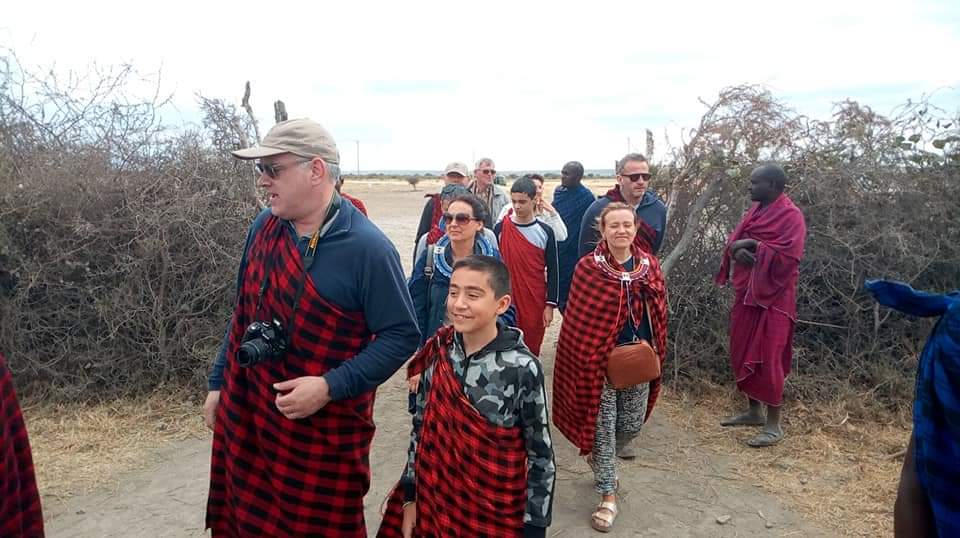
(632, 364)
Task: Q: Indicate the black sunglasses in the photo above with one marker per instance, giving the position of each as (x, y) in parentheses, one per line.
(459, 218)
(273, 170)
(489, 171)
(636, 177)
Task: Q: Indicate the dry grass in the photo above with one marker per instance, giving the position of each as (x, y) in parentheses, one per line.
(78, 447)
(839, 473)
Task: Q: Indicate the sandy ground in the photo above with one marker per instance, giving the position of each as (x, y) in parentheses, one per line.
(676, 487)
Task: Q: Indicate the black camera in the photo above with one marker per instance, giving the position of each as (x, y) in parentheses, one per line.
(263, 341)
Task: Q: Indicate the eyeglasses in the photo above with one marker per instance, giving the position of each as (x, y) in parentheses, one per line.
(489, 171)
(636, 177)
(459, 218)
(273, 170)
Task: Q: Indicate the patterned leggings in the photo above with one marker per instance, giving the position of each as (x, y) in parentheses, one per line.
(619, 421)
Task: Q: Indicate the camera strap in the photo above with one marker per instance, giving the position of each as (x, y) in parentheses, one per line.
(308, 259)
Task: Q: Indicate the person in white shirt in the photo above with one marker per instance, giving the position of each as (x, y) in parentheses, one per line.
(544, 211)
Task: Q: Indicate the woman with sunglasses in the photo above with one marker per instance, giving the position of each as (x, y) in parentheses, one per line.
(617, 298)
(464, 234)
(633, 179)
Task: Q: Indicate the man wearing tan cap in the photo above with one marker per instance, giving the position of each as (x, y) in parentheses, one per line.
(291, 392)
(454, 174)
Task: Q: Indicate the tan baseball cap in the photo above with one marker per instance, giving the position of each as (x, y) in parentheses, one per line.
(303, 137)
(459, 168)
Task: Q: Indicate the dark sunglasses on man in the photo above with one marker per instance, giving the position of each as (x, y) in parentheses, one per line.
(636, 177)
(459, 218)
(273, 170)
(490, 172)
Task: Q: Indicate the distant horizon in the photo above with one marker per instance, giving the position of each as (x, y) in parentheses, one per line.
(607, 172)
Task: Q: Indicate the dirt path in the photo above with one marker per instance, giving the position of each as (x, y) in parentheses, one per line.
(675, 488)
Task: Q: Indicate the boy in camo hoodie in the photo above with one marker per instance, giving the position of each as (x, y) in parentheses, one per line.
(480, 461)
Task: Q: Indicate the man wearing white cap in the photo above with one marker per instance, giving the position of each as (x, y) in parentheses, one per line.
(291, 392)
(454, 174)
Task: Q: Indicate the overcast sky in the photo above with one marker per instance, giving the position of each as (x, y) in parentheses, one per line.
(530, 84)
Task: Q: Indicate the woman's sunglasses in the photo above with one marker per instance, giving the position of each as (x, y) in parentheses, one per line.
(459, 218)
(636, 177)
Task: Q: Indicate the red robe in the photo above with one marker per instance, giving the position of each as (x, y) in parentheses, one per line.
(765, 304)
(20, 512)
(471, 475)
(435, 232)
(528, 283)
(357, 203)
(270, 475)
(596, 312)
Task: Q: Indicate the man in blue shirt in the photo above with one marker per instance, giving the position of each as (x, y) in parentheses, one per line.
(633, 178)
(327, 275)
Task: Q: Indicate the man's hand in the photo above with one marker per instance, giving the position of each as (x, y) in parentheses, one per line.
(743, 256)
(210, 408)
(304, 396)
(545, 207)
(409, 520)
(413, 383)
(548, 315)
(749, 244)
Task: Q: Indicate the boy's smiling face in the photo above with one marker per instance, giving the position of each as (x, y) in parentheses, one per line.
(472, 305)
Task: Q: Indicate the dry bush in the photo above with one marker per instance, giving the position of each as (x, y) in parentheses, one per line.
(881, 199)
(118, 239)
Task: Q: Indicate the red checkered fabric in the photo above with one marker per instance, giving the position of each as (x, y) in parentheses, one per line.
(595, 315)
(272, 476)
(435, 232)
(528, 283)
(20, 512)
(471, 476)
(357, 203)
(646, 235)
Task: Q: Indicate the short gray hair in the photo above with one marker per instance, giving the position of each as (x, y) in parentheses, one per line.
(333, 171)
(630, 157)
(483, 161)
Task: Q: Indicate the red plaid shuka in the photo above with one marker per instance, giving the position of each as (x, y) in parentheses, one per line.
(269, 475)
(20, 512)
(471, 476)
(646, 235)
(435, 232)
(526, 262)
(357, 203)
(594, 318)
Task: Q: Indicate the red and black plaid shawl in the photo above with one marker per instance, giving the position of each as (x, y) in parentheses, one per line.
(595, 316)
(20, 512)
(646, 235)
(272, 476)
(435, 232)
(471, 476)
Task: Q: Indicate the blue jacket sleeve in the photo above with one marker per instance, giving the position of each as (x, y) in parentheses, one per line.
(418, 286)
(588, 233)
(904, 298)
(215, 378)
(388, 311)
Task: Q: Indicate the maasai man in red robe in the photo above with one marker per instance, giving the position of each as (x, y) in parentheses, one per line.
(765, 250)
(20, 512)
(480, 461)
(322, 317)
(529, 248)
